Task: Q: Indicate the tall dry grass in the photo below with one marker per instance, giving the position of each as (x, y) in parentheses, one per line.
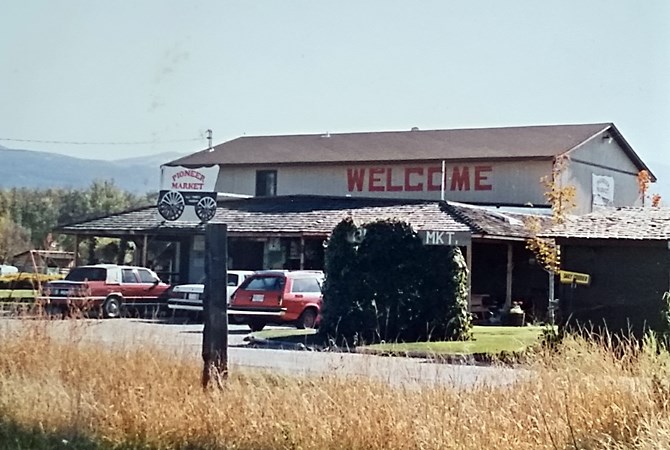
(585, 395)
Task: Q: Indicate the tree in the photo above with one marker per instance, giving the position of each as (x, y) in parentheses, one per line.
(14, 239)
(561, 197)
(390, 287)
(39, 211)
(643, 180)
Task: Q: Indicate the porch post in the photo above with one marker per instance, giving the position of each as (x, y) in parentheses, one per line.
(302, 252)
(510, 269)
(76, 250)
(145, 244)
(468, 263)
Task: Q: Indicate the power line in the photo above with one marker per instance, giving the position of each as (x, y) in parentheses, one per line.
(38, 141)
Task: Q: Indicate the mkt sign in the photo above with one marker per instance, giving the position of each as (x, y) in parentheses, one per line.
(448, 238)
(188, 194)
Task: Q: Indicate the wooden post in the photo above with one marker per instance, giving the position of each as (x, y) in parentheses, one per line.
(302, 252)
(510, 269)
(215, 333)
(468, 262)
(145, 249)
(76, 250)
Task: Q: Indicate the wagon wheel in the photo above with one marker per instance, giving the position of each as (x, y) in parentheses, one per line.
(171, 205)
(205, 209)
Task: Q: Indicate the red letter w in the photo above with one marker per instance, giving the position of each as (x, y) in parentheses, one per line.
(355, 179)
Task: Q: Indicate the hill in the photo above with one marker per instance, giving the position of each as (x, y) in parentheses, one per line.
(35, 169)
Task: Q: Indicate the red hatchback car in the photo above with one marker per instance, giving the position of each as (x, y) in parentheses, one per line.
(280, 297)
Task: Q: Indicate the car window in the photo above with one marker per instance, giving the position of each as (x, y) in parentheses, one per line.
(87, 274)
(263, 284)
(306, 285)
(128, 276)
(233, 279)
(146, 276)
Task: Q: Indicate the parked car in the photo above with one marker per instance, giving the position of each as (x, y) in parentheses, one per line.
(188, 297)
(107, 288)
(292, 297)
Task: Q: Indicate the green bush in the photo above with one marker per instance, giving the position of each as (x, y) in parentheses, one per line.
(390, 287)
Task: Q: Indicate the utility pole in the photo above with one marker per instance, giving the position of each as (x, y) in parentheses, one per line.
(209, 140)
(215, 333)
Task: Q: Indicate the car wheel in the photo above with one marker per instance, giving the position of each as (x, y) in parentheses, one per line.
(307, 319)
(256, 325)
(236, 320)
(51, 311)
(111, 309)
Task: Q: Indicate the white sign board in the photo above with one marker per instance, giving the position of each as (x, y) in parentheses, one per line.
(602, 188)
(188, 194)
(449, 238)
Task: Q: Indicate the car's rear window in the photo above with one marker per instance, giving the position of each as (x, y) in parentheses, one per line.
(87, 274)
(267, 283)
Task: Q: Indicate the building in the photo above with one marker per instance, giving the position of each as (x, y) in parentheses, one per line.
(625, 252)
(302, 186)
(488, 166)
(289, 232)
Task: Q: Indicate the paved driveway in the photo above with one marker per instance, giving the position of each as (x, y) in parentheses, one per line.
(185, 340)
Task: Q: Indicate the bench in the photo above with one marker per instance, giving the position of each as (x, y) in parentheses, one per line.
(477, 306)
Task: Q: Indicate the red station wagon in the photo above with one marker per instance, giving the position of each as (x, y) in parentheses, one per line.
(280, 297)
(106, 287)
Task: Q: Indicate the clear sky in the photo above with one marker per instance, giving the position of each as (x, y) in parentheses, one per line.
(166, 70)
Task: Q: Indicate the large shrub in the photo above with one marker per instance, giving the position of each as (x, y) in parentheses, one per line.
(389, 287)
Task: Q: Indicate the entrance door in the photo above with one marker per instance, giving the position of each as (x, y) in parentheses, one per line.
(245, 254)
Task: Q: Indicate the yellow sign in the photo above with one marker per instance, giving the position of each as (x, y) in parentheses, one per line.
(576, 277)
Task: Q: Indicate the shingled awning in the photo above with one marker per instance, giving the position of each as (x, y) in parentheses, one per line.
(652, 224)
(303, 215)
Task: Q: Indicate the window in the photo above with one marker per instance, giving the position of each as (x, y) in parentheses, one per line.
(87, 274)
(233, 279)
(306, 285)
(266, 183)
(146, 276)
(128, 276)
(263, 284)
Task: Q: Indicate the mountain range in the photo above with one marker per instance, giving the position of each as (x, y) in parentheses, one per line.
(35, 169)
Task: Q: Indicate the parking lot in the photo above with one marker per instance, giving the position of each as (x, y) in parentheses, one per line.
(185, 340)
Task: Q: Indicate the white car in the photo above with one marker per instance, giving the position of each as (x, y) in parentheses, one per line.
(188, 297)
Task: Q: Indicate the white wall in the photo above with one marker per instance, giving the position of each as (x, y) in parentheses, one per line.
(474, 182)
(604, 158)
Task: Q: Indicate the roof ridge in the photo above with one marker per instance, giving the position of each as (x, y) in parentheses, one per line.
(460, 216)
(329, 134)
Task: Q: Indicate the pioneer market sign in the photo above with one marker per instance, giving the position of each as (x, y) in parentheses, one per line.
(448, 238)
(188, 194)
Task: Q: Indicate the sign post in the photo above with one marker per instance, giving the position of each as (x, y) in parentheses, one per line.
(215, 308)
(189, 194)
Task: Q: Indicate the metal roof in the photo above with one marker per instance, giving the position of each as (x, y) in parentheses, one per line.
(529, 142)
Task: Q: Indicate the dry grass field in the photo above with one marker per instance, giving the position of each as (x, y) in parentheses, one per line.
(80, 396)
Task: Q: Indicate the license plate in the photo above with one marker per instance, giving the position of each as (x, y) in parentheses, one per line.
(257, 297)
(193, 296)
